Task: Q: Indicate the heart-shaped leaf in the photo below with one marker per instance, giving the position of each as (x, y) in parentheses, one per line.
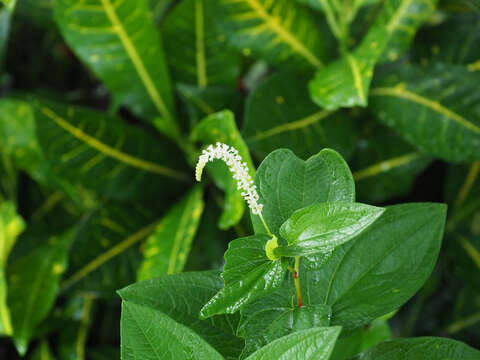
(286, 183)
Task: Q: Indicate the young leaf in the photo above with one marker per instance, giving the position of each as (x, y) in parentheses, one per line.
(425, 348)
(33, 282)
(279, 113)
(248, 275)
(102, 152)
(149, 334)
(11, 226)
(221, 127)
(312, 344)
(181, 296)
(196, 51)
(279, 32)
(286, 183)
(346, 82)
(167, 249)
(119, 41)
(436, 109)
(324, 226)
(382, 268)
(277, 315)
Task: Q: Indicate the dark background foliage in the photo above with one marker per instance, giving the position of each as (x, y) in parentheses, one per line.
(393, 159)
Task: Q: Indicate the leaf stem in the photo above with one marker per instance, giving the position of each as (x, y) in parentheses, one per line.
(296, 280)
(265, 225)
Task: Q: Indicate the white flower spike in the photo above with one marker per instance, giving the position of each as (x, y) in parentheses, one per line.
(239, 169)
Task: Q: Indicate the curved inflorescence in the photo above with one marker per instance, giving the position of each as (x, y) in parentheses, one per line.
(239, 169)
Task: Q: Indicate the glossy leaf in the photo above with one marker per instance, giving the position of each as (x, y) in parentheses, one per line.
(196, 51)
(149, 334)
(102, 152)
(244, 280)
(33, 282)
(382, 268)
(316, 343)
(346, 82)
(428, 348)
(286, 183)
(279, 114)
(11, 226)
(279, 32)
(221, 127)
(167, 249)
(436, 109)
(380, 160)
(277, 315)
(324, 226)
(117, 37)
(181, 296)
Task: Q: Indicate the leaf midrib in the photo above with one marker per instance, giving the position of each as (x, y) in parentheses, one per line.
(136, 60)
(284, 34)
(108, 150)
(436, 106)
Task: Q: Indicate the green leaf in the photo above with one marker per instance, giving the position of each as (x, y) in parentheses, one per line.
(19, 140)
(454, 41)
(201, 102)
(149, 334)
(248, 275)
(279, 32)
(426, 348)
(167, 249)
(119, 41)
(33, 282)
(196, 51)
(102, 152)
(286, 183)
(362, 339)
(382, 268)
(380, 160)
(277, 315)
(42, 352)
(221, 127)
(181, 296)
(316, 343)
(346, 82)
(6, 12)
(436, 109)
(105, 253)
(324, 226)
(280, 114)
(415, 14)
(11, 226)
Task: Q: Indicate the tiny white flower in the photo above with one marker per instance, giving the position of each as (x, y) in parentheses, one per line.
(238, 168)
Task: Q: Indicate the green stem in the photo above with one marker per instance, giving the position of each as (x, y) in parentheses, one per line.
(265, 225)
